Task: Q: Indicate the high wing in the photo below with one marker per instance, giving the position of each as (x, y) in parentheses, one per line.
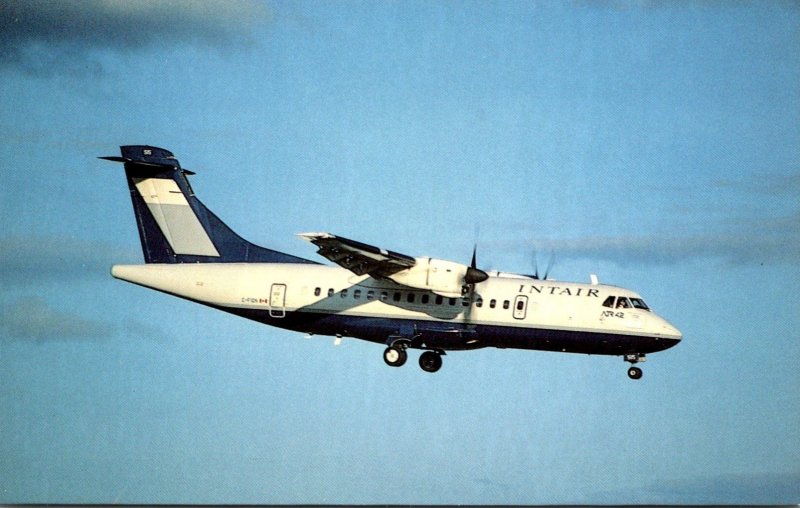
(445, 278)
(358, 257)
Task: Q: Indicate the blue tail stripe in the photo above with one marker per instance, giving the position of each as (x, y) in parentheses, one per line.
(145, 162)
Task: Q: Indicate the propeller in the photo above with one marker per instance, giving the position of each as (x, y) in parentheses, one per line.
(474, 274)
(550, 263)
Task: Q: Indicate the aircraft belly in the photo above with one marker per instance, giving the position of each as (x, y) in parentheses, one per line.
(452, 336)
(570, 341)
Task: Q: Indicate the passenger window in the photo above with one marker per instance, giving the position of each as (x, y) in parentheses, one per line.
(609, 302)
(317, 291)
(492, 303)
(506, 304)
(439, 299)
(520, 304)
(357, 294)
(451, 301)
(410, 298)
(384, 296)
(479, 302)
(370, 295)
(426, 298)
(344, 293)
(396, 297)
(465, 302)
(330, 291)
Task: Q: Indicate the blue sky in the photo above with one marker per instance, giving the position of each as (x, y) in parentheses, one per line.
(656, 144)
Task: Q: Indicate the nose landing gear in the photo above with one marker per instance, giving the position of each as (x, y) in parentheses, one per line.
(635, 372)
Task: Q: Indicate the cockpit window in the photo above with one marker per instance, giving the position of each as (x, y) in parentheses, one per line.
(622, 302)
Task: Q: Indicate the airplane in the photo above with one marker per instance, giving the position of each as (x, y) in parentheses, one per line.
(378, 295)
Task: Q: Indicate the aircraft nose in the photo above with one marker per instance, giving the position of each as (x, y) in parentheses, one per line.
(669, 331)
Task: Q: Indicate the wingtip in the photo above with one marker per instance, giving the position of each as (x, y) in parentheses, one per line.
(310, 237)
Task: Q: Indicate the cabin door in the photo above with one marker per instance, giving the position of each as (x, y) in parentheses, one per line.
(520, 306)
(277, 301)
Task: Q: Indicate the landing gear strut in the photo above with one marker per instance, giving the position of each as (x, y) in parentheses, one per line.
(634, 372)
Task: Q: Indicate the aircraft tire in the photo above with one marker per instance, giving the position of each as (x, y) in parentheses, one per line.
(635, 373)
(394, 356)
(430, 361)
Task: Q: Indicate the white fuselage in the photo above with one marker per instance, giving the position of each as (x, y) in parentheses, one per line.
(319, 299)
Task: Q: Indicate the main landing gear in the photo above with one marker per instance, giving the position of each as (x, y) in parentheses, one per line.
(634, 372)
(430, 361)
(396, 356)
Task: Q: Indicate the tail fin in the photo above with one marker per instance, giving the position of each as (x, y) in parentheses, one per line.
(175, 226)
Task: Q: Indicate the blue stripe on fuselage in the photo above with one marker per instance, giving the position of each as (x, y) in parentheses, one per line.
(377, 329)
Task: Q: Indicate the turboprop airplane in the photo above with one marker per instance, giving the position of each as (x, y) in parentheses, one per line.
(374, 294)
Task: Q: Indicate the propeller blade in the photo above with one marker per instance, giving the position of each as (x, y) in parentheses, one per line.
(550, 263)
(535, 261)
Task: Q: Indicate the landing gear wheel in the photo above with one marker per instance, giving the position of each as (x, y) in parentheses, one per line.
(430, 361)
(395, 356)
(635, 373)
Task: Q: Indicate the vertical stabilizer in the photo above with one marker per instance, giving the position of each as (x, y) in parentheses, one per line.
(175, 226)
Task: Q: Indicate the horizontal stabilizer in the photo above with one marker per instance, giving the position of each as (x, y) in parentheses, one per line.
(145, 164)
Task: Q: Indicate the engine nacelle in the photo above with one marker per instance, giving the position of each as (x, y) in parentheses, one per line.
(442, 277)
